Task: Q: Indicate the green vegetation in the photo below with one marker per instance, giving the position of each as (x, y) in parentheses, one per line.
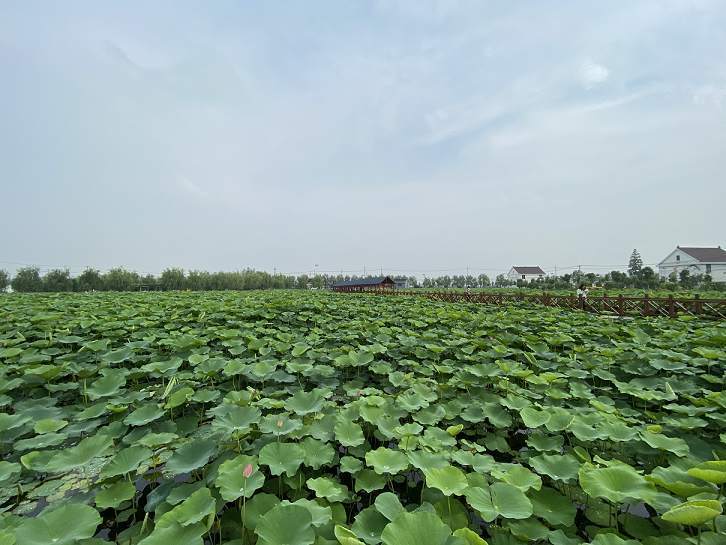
(307, 418)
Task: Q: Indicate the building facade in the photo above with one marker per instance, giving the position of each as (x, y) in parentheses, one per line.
(710, 261)
(525, 274)
(365, 284)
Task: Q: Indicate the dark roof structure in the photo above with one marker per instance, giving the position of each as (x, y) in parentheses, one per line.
(528, 270)
(372, 281)
(706, 255)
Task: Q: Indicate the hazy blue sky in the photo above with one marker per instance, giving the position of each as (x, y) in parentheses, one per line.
(413, 135)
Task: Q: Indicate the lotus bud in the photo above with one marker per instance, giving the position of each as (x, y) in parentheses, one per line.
(247, 471)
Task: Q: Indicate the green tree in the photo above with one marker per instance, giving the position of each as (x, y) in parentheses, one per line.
(58, 280)
(119, 279)
(27, 279)
(90, 280)
(172, 279)
(4, 280)
(685, 277)
(635, 264)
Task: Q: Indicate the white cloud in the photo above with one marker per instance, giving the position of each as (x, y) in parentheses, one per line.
(592, 74)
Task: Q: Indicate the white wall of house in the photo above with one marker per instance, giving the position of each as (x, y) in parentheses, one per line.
(514, 276)
(679, 260)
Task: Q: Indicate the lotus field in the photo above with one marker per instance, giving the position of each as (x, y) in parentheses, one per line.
(299, 418)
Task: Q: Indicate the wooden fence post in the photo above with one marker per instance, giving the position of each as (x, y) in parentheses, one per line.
(671, 306)
(646, 305)
(621, 305)
(699, 306)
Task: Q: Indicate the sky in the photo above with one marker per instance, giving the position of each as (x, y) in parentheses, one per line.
(413, 137)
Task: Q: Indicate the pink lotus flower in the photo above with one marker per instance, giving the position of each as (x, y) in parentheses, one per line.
(247, 471)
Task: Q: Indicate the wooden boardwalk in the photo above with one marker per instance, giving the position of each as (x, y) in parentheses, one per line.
(618, 305)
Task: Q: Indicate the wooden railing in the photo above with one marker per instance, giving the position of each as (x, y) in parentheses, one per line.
(619, 305)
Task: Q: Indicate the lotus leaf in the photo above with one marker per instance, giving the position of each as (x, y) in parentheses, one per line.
(384, 460)
(232, 482)
(286, 525)
(693, 513)
(450, 480)
(52, 526)
(415, 529)
(282, 457)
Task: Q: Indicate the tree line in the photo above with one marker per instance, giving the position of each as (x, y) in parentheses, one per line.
(30, 279)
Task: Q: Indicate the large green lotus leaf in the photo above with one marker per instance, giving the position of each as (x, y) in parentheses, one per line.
(389, 505)
(369, 480)
(153, 440)
(9, 470)
(179, 397)
(307, 402)
(191, 456)
(63, 526)
(522, 478)
(369, 525)
(286, 525)
(237, 418)
(257, 506)
(510, 502)
(40, 441)
(617, 483)
(279, 424)
(346, 536)
(350, 464)
(125, 461)
(117, 356)
(7, 353)
(452, 512)
(480, 498)
(108, 385)
(115, 495)
(79, 455)
(144, 415)
(676, 445)
(49, 425)
(559, 419)
(425, 461)
(12, 421)
(231, 481)
(181, 492)
(529, 529)
(693, 513)
(176, 534)
(321, 514)
(558, 537)
(348, 433)
(192, 510)
(325, 487)
(416, 529)
(550, 505)
(450, 480)
(534, 418)
(470, 537)
(558, 467)
(282, 457)
(542, 442)
(713, 471)
(607, 538)
(385, 460)
(317, 453)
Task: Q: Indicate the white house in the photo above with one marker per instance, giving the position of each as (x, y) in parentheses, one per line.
(711, 261)
(525, 273)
